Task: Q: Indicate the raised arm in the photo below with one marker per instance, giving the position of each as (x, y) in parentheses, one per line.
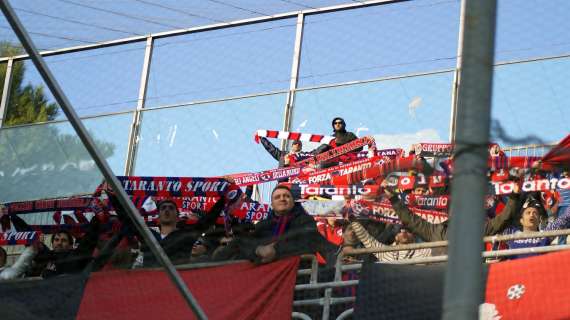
(501, 221)
(272, 149)
(427, 231)
(367, 240)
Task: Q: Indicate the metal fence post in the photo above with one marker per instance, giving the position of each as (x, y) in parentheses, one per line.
(6, 91)
(111, 179)
(288, 113)
(463, 280)
(137, 117)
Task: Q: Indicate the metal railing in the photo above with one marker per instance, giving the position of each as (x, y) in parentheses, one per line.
(327, 299)
(531, 150)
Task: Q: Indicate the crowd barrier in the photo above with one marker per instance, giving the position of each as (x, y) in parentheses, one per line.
(327, 300)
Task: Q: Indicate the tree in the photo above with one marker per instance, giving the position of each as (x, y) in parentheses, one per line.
(38, 161)
(27, 103)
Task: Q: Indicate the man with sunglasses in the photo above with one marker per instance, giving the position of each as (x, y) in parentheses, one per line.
(175, 237)
(177, 243)
(341, 136)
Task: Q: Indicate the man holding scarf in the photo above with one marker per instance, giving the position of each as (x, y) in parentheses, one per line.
(341, 137)
(289, 158)
(176, 242)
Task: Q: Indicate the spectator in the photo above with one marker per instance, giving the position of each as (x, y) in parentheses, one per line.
(437, 232)
(175, 237)
(176, 242)
(288, 158)
(204, 248)
(383, 234)
(117, 248)
(341, 136)
(531, 214)
(3, 257)
(403, 237)
(22, 264)
(331, 229)
(64, 257)
(563, 207)
(288, 231)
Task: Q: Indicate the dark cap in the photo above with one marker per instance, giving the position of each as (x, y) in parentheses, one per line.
(337, 119)
(531, 202)
(161, 202)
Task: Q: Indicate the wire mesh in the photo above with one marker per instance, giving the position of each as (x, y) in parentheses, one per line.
(388, 70)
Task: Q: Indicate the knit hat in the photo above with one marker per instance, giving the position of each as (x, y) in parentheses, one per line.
(338, 118)
(531, 202)
(161, 202)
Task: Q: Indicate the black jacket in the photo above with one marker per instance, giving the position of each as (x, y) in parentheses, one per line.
(300, 237)
(178, 244)
(50, 263)
(343, 137)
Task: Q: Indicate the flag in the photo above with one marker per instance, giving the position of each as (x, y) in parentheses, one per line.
(236, 291)
(529, 288)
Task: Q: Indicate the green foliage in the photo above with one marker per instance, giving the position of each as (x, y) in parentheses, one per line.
(27, 104)
(39, 161)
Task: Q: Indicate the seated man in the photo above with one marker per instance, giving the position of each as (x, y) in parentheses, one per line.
(288, 231)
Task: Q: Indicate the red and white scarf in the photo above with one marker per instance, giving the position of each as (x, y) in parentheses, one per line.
(338, 151)
(284, 135)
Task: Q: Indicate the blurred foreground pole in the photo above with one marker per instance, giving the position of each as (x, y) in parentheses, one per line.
(127, 204)
(464, 283)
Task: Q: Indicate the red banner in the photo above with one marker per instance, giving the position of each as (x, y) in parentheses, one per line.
(558, 156)
(515, 288)
(236, 291)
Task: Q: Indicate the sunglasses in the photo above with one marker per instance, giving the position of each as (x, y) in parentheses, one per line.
(167, 206)
(338, 122)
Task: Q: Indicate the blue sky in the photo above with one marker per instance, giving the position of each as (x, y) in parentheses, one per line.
(530, 99)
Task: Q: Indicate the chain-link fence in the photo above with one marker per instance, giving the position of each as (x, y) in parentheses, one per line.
(179, 96)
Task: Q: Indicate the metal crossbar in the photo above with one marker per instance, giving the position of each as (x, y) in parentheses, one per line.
(328, 300)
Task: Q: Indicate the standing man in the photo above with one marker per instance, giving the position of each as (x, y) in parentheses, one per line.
(176, 241)
(341, 136)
